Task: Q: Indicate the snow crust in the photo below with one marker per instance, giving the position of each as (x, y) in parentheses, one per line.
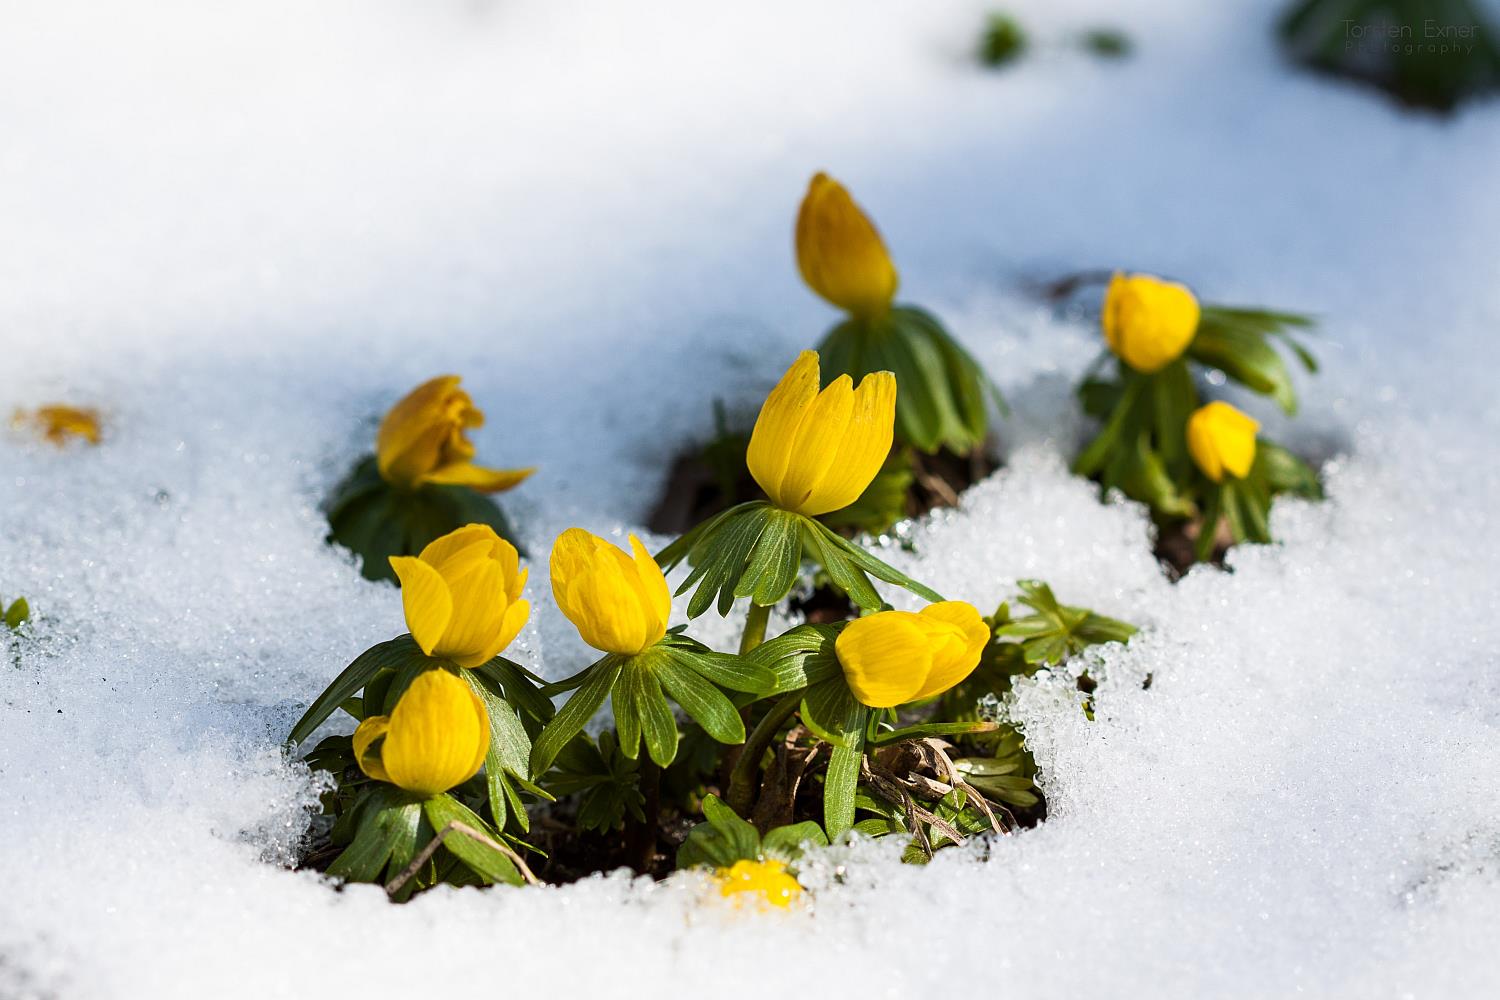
(243, 229)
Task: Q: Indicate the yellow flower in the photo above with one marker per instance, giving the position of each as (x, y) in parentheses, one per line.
(839, 252)
(767, 879)
(57, 423)
(813, 452)
(1148, 322)
(1222, 439)
(462, 595)
(896, 657)
(421, 441)
(619, 603)
(436, 738)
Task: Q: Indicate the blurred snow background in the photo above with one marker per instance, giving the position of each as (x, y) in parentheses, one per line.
(243, 229)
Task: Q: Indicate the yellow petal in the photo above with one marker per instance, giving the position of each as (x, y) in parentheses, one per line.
(411, 437)
(958, 636)
(58, 423)
(440, 550)
(655, 593)
(482, 479)
(840, 253)
(886, 658)
(775, 428)
(766, 881)
(425, 599)
(815, 446)
(478, 612)
(862, 447)
(1148, 322)
(1221, 440)
(367, 733)
(438, 734)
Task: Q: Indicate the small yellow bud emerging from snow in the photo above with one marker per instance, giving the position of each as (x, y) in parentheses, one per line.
(619, 603)
(813, 452)
(421, 441)
(895, 657)
(462, 595)
(436, 738)
(58, 423)
(839, 252)
(767, 879)
(1148, 322)
(1221, 440)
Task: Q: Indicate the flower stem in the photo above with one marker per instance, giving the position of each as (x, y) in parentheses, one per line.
(742, 778)
(755, 627)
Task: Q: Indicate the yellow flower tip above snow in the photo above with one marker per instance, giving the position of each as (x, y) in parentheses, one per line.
(436, 737)
(767, 881)
(1221, 440)
(840, 253)
(1148, 322)
(421, 441)
(814, 452)
(895, 657)
(462, 595)
(618, 601)
(59, 424)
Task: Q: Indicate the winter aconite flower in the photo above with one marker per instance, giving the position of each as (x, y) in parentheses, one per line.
(1221, 440)
(421, 441)
(619, 603)
(895, 657)
(839, 252)
(769, 880)
(813, 452)
(462, 595)
(59, 424)
(436, 737)
(1148, 322)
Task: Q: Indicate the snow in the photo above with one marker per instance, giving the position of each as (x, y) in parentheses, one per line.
(243, 229)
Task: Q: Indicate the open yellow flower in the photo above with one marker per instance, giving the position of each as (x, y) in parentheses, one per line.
(619, 603)
(813, 452)
(840, 253)
(895, 657)
(436, 737)
(59, 423)
(769, 880)
(1221, 440)
(1148, 322)
(462, 595)
(421, 441)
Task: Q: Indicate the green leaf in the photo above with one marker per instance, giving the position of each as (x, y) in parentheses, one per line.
(786, 842)
(1283, 472)
(18, 612)
(391, 655)
(878, 569)
(839, 786)
(775, 560)
(703, 702)
(483, 860)
(740, 834)
(510, 748)
(932, 729)
(382, 827)
(658, 724)
(724, 839)
(832, 712)
(1244, 354)
(518, 688)
(799, 657)
(574, 715)
(728, 670)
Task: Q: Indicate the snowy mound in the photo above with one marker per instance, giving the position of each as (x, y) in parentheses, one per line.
(244, 232)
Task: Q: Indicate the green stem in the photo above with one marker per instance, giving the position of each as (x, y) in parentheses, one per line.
(742, 778)
(755, 627)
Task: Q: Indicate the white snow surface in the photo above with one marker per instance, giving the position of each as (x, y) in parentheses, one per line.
(244, 229)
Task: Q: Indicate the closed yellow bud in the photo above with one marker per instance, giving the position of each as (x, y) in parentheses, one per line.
(839, 252)
(436, 737)
(896, 657)
(1221, 440)
(768, 880)
(813, 452)
(619, 603)
(1148, 322)
(58, 423)
(421, 441)
(462, 595)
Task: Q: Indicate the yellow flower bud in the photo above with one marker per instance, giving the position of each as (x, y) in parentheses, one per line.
(57, 423)
(619, 603)
(421, 441)
(436, 737)
(767, 879)
(813, 452)
(896, 657)
(1222, 439)
(1148, 322)
(462, 595)
(839, 252)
